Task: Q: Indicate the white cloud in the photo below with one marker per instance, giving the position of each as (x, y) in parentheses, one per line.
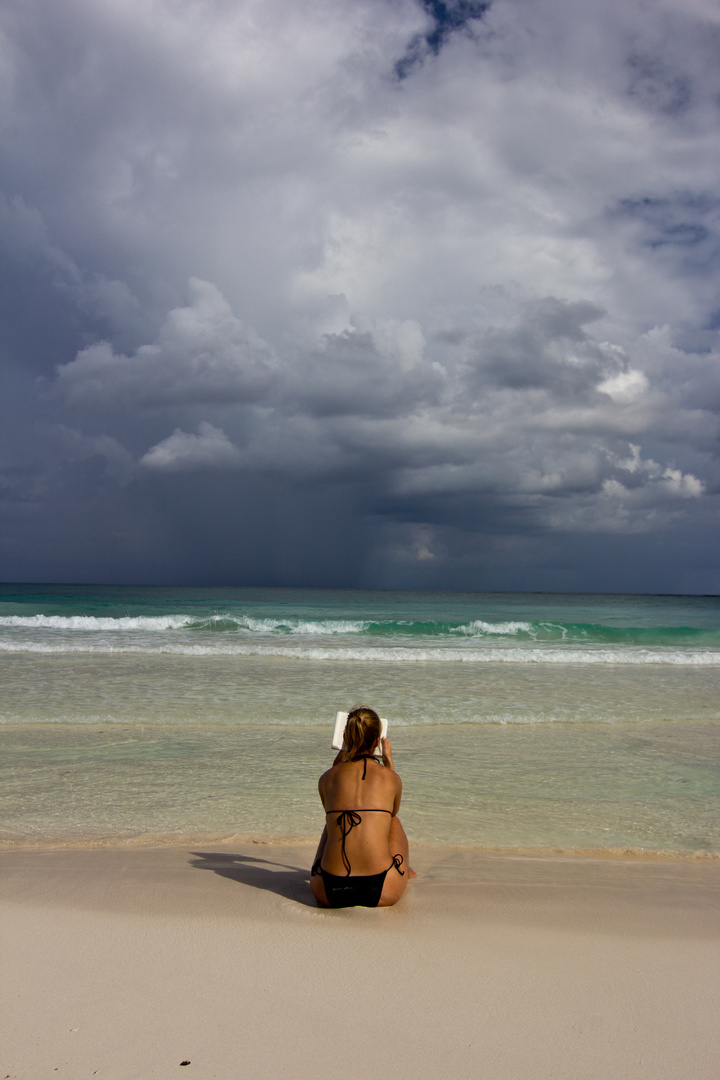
(626, 387)
(668, 480)
(209, 449)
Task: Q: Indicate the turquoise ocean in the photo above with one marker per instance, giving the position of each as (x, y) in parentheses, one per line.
(518, 721)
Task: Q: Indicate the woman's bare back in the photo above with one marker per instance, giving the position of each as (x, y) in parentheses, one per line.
(361, 798)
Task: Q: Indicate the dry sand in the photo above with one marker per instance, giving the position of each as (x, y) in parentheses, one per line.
(122, 963)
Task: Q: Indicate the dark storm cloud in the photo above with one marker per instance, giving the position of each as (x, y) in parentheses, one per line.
(274, 315)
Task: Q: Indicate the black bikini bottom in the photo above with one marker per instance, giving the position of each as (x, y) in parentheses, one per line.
(360, 890)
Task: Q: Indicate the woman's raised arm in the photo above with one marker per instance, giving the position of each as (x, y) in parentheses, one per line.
(387, 754)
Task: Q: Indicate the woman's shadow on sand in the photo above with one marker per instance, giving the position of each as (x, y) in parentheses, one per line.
(280, 878)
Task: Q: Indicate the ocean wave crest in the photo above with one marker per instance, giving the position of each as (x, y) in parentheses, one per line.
(155, 623)
(94, 622)
(303, 626)
(479, 627)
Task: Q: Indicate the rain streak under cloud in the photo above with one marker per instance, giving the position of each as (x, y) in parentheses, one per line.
(362, 292)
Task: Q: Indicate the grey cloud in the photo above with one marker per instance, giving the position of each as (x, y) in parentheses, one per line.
(76, 446)
(27, 242)
(683, 227)
(203, 353)
(657, 85)
(380, 373)
(462, 311)
(554, 470)
(549, 349)
(541, 411)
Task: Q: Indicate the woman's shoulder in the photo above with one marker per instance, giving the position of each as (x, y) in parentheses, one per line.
(326, 775)
(332, 774)
(387, 778)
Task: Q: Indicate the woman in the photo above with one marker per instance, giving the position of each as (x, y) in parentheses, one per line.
(361, 860)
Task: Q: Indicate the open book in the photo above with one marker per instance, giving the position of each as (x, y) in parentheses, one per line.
(341, 721)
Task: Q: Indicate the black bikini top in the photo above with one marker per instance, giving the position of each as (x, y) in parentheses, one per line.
(348, 819)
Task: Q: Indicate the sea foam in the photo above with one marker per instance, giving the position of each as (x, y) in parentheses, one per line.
(380, 654)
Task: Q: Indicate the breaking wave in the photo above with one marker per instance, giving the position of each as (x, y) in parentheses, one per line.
(478, 629)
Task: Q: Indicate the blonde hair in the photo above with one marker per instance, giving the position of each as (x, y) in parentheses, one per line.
(362, 730)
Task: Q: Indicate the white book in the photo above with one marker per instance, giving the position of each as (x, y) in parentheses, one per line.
(341, 721)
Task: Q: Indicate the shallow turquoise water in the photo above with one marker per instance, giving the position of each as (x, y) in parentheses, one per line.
(517, 721)
(652, 786)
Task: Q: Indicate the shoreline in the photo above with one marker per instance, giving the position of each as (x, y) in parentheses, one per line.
(127, 962)
(242, 839)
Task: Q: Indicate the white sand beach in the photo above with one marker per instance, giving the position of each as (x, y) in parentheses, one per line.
(126, 962)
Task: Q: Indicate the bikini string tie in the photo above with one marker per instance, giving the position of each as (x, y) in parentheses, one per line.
(346, 822)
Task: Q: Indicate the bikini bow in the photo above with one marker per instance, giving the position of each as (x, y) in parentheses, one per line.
(346, 822)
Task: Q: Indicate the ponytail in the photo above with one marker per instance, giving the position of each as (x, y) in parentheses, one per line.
(362, 730)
